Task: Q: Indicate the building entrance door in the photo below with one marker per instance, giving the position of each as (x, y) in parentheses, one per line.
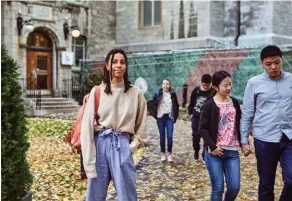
(39, 70)
(39, 62)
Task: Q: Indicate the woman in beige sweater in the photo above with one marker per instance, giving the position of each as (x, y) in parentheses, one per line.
(121, 127)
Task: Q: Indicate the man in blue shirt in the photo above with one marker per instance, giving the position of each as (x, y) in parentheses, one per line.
(267, 107)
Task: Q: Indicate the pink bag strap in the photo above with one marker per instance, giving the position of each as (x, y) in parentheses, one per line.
(97, 96)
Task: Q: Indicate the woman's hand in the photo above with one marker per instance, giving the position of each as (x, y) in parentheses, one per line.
(218, 151)
(245, 148)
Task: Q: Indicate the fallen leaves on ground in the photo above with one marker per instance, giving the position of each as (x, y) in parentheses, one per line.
(56, 169)
(53, 165)
(186, 179)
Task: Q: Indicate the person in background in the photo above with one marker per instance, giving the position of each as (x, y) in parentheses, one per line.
(267, 107)
(219, 127)
(198, 97)
(165, 110)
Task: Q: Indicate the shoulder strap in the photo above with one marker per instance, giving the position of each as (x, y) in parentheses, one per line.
(97, 96)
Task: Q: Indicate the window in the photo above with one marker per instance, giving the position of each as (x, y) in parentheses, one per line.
(150, 13)
(79, 50)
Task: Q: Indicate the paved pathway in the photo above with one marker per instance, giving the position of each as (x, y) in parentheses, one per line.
(185, 179)
(181, 180)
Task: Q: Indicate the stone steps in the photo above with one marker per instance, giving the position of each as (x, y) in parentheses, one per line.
(49, 105)
(59, 102)
(59, 106)
(43, 112)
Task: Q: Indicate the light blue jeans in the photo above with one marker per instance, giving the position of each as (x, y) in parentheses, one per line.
(114, 162)
(218, 166)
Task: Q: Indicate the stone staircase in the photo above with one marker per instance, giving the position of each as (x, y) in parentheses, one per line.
(51, 105)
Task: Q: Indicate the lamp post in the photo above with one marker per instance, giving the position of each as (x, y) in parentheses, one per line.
(75, 31)
(20, 23)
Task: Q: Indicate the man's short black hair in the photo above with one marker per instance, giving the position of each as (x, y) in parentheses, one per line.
(206, 78)
(270, 51)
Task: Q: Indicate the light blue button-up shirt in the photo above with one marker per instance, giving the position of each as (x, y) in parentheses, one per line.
(267, 107)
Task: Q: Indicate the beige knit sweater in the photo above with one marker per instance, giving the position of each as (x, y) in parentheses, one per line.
(124, 112)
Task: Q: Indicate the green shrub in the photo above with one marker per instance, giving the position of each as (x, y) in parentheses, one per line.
(92, 80)
(16, 178)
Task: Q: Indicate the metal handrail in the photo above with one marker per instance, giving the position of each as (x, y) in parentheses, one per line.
(30, 90)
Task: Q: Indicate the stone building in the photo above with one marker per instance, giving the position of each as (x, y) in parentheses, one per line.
(144, 27)
(48, 56)
(39, 52)
(166, 25)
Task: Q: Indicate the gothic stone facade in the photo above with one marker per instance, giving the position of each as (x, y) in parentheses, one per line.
(204, 24)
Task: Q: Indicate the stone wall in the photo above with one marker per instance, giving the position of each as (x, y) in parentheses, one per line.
(282, 12)
(211, 21)
(216, 18)
(178, 18)
(262, 22)
(9, 35)
(102, 28)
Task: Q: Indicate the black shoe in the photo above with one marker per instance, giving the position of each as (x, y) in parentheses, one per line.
(83, 176)
(196, 155)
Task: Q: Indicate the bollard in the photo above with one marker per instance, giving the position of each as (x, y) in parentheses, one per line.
(184, 95)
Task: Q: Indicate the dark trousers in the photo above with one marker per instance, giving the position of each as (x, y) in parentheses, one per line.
(196, 135)
(268, 154)
(165, 122)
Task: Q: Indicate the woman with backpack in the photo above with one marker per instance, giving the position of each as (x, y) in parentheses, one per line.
(121, 126)
(164, 107)
(219, 127)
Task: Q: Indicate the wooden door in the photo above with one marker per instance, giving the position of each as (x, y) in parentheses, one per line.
(39, 70)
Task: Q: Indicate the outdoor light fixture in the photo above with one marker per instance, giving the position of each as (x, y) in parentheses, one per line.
(75, 31)
(20, 23)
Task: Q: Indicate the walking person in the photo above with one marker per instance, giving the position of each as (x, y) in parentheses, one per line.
(267, 106)
(107, 147)
(198, 97)
(219, 127)
(164, 107)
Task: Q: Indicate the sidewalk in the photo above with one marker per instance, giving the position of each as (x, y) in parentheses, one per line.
(185, 179)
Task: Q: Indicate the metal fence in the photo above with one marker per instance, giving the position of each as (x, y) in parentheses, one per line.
(72, 88)
(31, 90)
(87, 67)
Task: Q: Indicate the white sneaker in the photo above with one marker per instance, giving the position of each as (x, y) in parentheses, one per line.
(169, 158)
(163, 157)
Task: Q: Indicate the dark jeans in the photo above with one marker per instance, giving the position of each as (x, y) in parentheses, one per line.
(218, 166)
(268, 154)
(196, 135)
(165, 122)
